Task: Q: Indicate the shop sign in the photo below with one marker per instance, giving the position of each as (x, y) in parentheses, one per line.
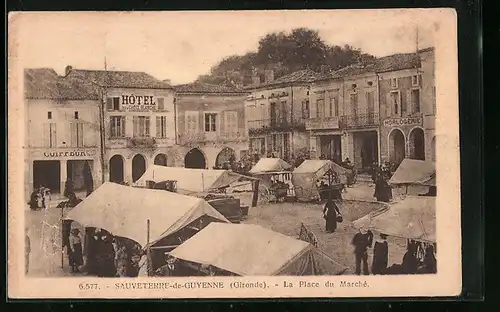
(410, 121)
(75, 153)
(138, 103)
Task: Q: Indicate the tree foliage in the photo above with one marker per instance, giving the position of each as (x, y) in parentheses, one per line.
(284, 53)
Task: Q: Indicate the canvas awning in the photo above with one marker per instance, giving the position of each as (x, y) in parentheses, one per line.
(412, 218)
(251, 250)
(192, 181)
(124, 211)
(416, 172)
(268, 165)
(304, 177)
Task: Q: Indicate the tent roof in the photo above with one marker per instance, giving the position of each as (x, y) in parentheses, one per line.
(124, 211)
(412, 171)
(413, 218)
(239, 248)
(265, 165)
(191, 180)
(314, 165)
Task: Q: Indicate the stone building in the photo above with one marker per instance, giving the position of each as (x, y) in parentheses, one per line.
(138, 121)
(61, 132)
(407, 105)
(276, 113)
(210, 124)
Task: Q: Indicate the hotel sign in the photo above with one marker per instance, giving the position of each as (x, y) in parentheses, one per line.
(138, 103)
(409, 121)
(322, 123)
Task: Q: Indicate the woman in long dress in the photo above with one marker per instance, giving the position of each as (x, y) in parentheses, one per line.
(330, 214)
(75, 252)
(380, 255)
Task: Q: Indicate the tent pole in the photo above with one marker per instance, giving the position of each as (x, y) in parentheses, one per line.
(62, 238)
(202, 182)
(148, 250)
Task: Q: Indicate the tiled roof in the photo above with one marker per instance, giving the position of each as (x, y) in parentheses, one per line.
(120, 79)
(45, 83)
(397, 62)
(301, 76)
(198, 87)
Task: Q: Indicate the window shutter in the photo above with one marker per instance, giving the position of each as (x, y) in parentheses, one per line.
(161, 104)
(122, 125)
(147, 125)
(224, 125)
(80, 133)
(328, 105)
(109, 102)
(54, 134)
(410, 109)
(158, 126)
(136, 126)
(400, 104)
(388, 105)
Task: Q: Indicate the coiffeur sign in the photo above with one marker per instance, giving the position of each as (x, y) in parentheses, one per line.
(410, 121)
(75, 153)
(138, 103)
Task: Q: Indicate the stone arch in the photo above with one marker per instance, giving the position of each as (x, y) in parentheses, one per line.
(138, 166)
(397, 146)
(224, 157)
(416, 143)
(161, 159)
(196, 159)
(117, 168)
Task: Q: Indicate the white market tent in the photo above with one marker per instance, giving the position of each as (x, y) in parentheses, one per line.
(192, 181)
(124, 211)
(414, 172)
(414, 217)
(269, 165)
(251, 250)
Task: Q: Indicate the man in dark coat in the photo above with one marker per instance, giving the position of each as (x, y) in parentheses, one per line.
(380, 255)
(362, 241)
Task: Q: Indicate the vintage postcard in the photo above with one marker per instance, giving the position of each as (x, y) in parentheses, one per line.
(233, 154)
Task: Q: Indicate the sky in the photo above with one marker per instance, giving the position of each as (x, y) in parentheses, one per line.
(180, 46)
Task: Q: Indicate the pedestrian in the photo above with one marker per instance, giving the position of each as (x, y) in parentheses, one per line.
(27, 252)
(380, 255)
(68, 188)
(430, 263)
(121, 260)
(330, 213)
(75, 255)
(362, 241)
(410, 262)
(143, 266)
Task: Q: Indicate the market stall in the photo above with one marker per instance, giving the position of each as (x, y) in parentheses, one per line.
(412, 172)
(156, 220)
(251, 250)
(276, 178)
(312, 176)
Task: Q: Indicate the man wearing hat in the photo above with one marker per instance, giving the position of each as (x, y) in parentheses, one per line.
(362, 241)
(75, 255)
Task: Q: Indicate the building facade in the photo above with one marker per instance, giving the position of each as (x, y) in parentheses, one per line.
(61, 134)
(407, 105)
(211, 125)
(138, 121)
(276, 112)
(344, 120)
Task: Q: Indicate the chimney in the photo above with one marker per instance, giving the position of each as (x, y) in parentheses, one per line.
(68, 70)
(268, 75)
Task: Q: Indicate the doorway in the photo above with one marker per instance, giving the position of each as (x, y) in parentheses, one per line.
(331, 147)
(417, 144)
(116, 173)
(195, 159)
(138, 167)
(224, 158)
(47, 173)
(396, 146)
(161, 160)
(80, 173)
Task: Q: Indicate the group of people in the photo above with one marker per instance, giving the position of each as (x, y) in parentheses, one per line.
(40, 198)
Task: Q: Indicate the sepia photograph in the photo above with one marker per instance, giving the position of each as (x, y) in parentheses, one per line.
(233, 154)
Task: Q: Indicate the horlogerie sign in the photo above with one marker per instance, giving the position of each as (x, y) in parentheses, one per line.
(409, 121)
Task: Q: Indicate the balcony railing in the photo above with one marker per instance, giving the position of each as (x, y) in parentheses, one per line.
(323, 123)
(140, 142)
(359, 121)
(275, 124)
(190, 138)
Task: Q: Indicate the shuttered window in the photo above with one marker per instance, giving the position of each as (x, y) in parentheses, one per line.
(161, 127)
(76, 132)
(160, 102)
(141, 126)
(117, 126)
(49, 136)
(113, 103)
(191, 122)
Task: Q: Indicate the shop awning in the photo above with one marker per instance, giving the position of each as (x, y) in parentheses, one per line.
(124, 211)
